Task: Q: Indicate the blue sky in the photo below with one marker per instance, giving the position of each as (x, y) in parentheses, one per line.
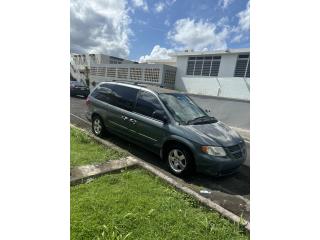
(144, 29)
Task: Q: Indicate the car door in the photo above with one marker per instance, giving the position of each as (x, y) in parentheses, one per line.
(149, 130)
(122, 100)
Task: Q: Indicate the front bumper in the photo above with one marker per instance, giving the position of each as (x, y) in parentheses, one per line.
(217, 166)
(76, 91)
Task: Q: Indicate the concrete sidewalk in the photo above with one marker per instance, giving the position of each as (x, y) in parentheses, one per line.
(243, 133)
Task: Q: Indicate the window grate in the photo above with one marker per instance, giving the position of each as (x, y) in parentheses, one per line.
(101, 71)
(151, 74)
(169, 77)
(122, 72)
(111, 72)
(136, 73)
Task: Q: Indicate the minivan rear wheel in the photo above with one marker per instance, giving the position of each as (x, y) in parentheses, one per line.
(98, 127)
(180, 160)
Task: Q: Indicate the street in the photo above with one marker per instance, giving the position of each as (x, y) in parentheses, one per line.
(230, 192)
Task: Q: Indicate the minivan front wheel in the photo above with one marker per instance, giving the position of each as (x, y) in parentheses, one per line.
(97, 126)
(180, 160)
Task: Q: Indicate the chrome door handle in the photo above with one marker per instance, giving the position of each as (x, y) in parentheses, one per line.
(124, 117)
(133, 121)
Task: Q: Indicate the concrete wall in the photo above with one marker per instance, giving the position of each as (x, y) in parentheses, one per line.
(233, 112)
(227, 65)
(214, 86)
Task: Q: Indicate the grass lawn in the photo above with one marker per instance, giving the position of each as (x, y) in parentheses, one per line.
(85, 150)
(136, 205)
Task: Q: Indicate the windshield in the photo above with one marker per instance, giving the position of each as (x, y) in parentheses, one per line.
(184, 110)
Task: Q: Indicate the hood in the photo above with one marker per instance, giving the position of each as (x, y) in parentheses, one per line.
(217, 134)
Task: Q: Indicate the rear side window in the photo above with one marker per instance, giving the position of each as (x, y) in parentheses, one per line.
(117, 95)
(103, 93)
(147, 103)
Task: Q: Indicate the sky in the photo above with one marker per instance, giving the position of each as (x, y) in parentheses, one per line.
(152, 29)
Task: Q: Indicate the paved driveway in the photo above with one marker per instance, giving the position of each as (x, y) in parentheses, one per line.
(232, 192)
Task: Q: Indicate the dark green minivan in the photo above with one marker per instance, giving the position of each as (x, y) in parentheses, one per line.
(168, 123)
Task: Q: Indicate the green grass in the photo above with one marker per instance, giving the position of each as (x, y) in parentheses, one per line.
(136, 205)
(85, 150)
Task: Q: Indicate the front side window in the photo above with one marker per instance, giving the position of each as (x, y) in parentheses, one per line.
(124, 97)
(147, 104)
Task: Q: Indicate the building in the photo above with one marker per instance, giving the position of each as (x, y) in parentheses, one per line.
(88, 59)
(80, 64)
(170, 62)
(156, 74)
(99, 68)
(215, 73)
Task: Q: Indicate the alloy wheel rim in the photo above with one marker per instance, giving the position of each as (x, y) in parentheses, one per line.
(97, 127)
(177, 160)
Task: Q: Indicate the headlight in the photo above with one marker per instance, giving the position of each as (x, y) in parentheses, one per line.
(214, 151)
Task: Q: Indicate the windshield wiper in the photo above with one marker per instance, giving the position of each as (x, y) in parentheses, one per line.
(202, 119)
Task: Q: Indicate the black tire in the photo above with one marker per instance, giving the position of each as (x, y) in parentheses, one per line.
(188, 161)
(98, 131)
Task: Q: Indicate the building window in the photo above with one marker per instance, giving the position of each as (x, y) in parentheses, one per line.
(101, 71)
(122, 72)
(169, 77)
(136, 74)
(204, 66)
(93, 71)
(243, 66)
(115, 60)
(111, 72)
(151, 74)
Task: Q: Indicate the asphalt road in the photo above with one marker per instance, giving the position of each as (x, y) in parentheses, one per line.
(231, 192)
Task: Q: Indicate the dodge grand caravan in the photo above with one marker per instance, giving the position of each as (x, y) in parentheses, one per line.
(168, 123)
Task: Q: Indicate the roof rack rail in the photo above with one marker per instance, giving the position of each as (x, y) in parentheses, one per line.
(139, 83)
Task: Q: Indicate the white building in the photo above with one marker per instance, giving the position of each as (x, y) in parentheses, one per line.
(215, 73)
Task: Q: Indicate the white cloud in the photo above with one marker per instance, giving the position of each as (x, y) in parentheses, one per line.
(140, 4)
(197, 35)
(224, 3)
(157, 53)
(159, 6)
(243, 24)
(100, 26)
(244, 18)
(167, 23)
(237, 38)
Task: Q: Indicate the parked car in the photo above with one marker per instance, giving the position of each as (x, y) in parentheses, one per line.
(79, 88)
(168, 123)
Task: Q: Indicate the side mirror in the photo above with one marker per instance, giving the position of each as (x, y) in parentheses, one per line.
(160, 115)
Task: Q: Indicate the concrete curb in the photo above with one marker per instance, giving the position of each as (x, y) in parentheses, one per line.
(134, 161)
(82, 173)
